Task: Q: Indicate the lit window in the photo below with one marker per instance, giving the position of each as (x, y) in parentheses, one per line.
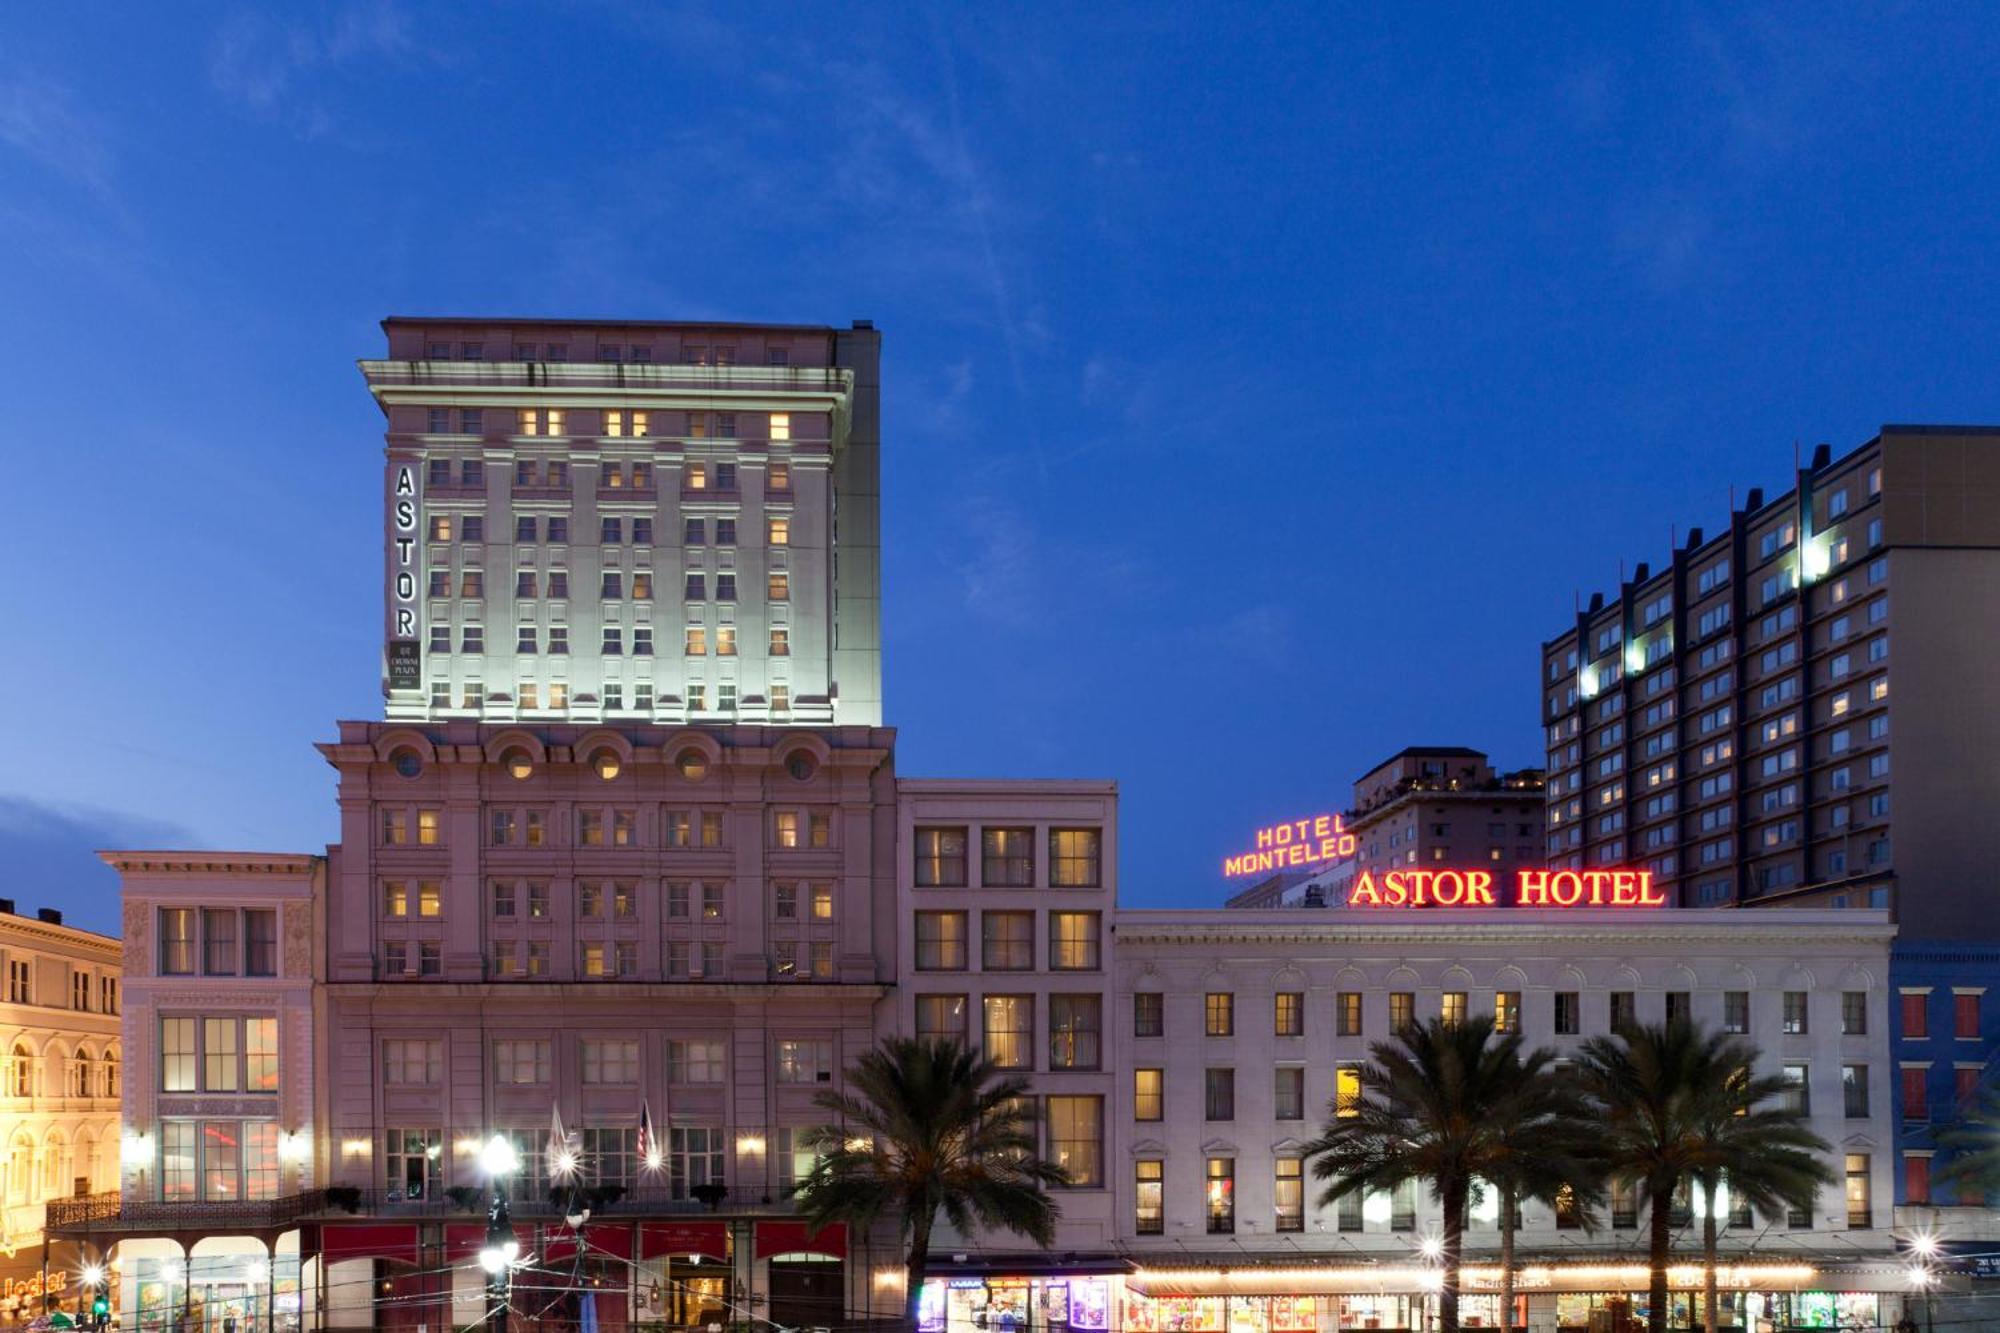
(781, 425)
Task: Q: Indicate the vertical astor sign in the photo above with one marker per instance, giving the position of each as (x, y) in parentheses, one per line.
(405, 567)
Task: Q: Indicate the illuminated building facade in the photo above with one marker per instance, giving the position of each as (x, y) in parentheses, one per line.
(1726, 721)
(1802, 709)
(1230, 1035)
(61, 1062)
(633, 522)
(1425, 805)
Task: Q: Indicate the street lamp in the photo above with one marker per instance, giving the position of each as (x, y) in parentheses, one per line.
(1922, 1278)
(502, 1247)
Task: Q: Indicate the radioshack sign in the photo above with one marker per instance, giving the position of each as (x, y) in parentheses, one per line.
(1313, 841)
(1531, 888)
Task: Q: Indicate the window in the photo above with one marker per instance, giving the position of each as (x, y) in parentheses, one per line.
(1795, 1013)
(610, 1061)
(805, 1061)
(1736, 1012)
(781, 641)
(1854, 1091)
(695, 645)
(1219, 1010)
(941, 857)
(1073, 941)
(1009, 1030)
(940, 941)
(1624, 1009)
(1288, 1093)
(1854, 1013)
(1860, 1209)
(941, 1017)
(521, 1063)
(1148, 1014)
(1220, 1196)
(695, 1155)
(695, 1061)
(1288, 1194)
(1347, 1091)
(1452, 1006)
(1402, 1010)
(781, 425)
(413, 1061)
(1148, 1206)
(1965, 1015)
(1075, 1031)
(1076, 1138)
(1289, 1014)
(176, 941)
(1507, 1011)
(178, 1069)
(1219, 1094)
(1569, 1013)
(1007, 857)
(218, 935)
(1148, 1094)
(1347, 1014)
(1007, 941)
(1074, 857)
(1797, 1096)
(1914, 1084)
(778, 531)
(1917, 1179)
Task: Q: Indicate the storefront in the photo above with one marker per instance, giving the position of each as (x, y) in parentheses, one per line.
(1020, 1303)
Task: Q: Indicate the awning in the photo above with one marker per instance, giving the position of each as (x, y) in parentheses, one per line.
(794, 1238)
(613, 1238)
(368, 1240)
(463, 1240)
(710, 1240)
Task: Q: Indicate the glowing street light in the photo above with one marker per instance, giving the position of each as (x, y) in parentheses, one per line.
(502, 1247)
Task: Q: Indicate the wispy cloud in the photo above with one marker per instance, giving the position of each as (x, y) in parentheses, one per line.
(265, 65)
(51, 851)
(41, 118)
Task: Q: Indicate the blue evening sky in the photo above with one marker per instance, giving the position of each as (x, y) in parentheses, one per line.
(1262, 384)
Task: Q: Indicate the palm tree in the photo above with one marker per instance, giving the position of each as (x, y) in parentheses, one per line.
(1543, 1150)
(1679, 1105)
(1750, 1141)
(929, 1127)
(1975, 1145)
(1430, 1109)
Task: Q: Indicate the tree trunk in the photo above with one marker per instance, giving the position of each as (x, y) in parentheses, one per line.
(913, 1270)
(1710, 1317)
(1659, 1247)
(1455, 1193)
(1507, 1260)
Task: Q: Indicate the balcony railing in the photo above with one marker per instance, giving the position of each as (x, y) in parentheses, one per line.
(112, 1212)
(648, 1200)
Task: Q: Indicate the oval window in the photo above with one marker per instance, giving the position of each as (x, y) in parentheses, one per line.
(407, 761)
(692, 763)
(518, 763)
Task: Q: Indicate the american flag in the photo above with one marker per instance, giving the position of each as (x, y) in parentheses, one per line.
(649, 1144)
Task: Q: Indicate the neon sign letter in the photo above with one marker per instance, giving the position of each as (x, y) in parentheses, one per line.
(1293, 845)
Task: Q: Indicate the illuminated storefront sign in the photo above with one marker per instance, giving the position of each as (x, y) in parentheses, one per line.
(1532, 888)
(405, 654)
(1293, 845)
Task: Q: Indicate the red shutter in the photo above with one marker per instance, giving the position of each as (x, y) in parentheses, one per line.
(1916, 1094)
(1916, 1021)
(1965, 1016)
(612, 1239)
(793, 1238)
(369, 1240)
(1917, 1179)
(710, 1240)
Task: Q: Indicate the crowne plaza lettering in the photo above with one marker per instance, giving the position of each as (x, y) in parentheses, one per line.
(1532, 888)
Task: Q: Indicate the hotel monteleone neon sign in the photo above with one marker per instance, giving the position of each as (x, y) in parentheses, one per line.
(1315, 841)
(1532, 888)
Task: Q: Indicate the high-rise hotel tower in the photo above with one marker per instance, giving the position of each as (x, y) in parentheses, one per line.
(644, 522)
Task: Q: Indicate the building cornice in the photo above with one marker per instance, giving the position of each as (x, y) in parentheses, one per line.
(1513, 927)
(210, 863)
(755, 388)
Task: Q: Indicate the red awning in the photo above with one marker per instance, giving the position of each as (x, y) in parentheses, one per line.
(368, 1240)
(794, 1238)
(612, 1238)
(463, 1240)
(710, 1240)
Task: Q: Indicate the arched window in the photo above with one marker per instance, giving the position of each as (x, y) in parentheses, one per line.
(111, 1074)
(54, 1161)
(82, 1075)
(21, 1072)
(20, 1167)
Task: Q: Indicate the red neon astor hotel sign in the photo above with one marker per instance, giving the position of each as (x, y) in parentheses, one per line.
(1532, 888)
(1290, 846)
